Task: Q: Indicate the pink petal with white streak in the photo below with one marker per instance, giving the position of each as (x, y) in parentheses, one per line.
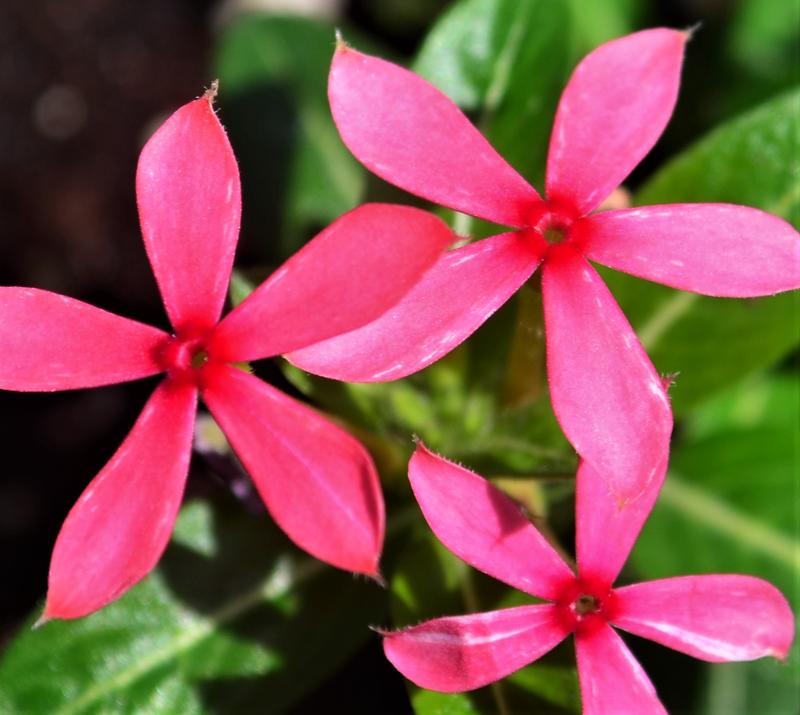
(714, 249)
(484, 527)
(451, 301)
(352, 272)
(51, 342)
(612, 681)
(459, 653)
(605, 533)
(187, 188)
(714, 617)
(317, 481)
(614, 108)
(120, 526)
(407, 132)
(606, 394)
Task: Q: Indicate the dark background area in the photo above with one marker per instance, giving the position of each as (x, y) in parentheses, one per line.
(83, 84)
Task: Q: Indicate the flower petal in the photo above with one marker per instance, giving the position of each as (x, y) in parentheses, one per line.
(460, 653)
(605, 534)
(351, 273)
(407, 132)
(318, 483)
(51, 342)
(606, 394)
(715, 249)
(120, 526)
(615, 106)
(612, 681)
(715, 617)
(485, 528)
(451, 301)
(187, 188)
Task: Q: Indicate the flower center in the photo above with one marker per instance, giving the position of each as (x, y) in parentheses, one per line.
(554, 235)
(185, 355)
(585, 605)
(555, 222)
(199, 359)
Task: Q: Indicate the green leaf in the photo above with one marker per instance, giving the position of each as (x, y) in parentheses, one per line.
(297, 175)
(729, 505)
(762, 45)
(428, 581)
(602, 20)
(713, 342)
(749, 160)
(233, 620)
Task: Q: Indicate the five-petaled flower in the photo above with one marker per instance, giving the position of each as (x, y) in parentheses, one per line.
(605, 392)
(712, 617)
(318, 482)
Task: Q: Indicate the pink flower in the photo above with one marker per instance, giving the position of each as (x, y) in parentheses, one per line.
(714, 617)
(318, 482)
(605, 392)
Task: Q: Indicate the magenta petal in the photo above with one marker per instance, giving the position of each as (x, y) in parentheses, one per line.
(613, 110)
(715, 249)
(460, 653)
(351, 273)
(716, 617)
(485, 528)
(118, 529)
(410, 134)
(605, 533)
(319, 483)
(187, 188)
(606, 394)
(612, 681)
(51, 342)
(451, 301)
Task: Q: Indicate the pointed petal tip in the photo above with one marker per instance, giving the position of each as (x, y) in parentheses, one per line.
(41, 621)
(380, 630)
(781, 654)
(690, 31)
(419, 445)
(341, 44)
(378, 578)
(211, 93)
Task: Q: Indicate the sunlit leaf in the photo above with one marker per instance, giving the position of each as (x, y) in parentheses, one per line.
(234, 620)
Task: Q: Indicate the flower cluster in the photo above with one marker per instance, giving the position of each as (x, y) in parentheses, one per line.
(376, 297)
(715, 617)
(606, 394)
